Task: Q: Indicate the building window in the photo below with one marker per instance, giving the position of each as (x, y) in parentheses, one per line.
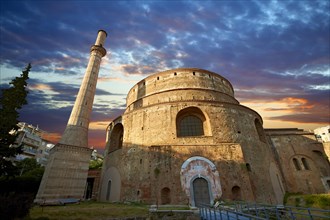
(108, 191)
(190, 125)
(191, 122)
(248, 167)
(305, 164)
(296, 164)
(116, 137)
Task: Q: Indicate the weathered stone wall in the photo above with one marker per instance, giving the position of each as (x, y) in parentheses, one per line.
(68, 177)
(312, 169)
(152, 155)
(180, 79)
(326, 147)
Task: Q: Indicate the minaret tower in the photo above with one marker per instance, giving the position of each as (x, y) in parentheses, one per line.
(67, 168)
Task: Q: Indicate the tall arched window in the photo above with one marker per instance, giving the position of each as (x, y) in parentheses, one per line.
(190, 122)
(116, 138)
(296, 164)
(108, 191)
(305, 164)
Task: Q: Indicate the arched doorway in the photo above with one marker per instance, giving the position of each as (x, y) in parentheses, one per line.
(195, 168)
(165, 196)
(236, 191)
(201, 192)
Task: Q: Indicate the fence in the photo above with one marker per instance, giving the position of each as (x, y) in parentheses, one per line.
(245, 211)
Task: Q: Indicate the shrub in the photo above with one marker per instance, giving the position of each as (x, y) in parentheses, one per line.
(16, 196)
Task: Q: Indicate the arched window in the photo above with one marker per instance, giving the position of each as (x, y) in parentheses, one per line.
(248, 166)
(108, 191)
(190, 125)
(296, 164)
(305, 164)
(190, 122)
(116, 138)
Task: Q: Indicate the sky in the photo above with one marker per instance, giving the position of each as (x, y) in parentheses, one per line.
(276, 54)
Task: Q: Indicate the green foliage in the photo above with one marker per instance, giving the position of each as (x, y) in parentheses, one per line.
(90, 211)
(30, 168)
(289, 194)
(11, 100)
(318, 201)
(95, 164)
(15, 205)
(16, 196)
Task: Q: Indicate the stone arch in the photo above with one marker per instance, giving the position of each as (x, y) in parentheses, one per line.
(260, 130)
(236, 193)
(191, 121)
(200, 167)
(165, 196)
(110, 185)
(116, 137)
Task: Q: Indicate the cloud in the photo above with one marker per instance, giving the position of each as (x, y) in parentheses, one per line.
(273, 52)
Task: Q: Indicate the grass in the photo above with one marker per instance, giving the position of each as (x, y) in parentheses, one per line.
(319, 201)
(87, 211)
(173, 208)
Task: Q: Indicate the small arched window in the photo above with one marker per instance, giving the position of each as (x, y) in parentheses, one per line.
(190, 122)
(296, 164)
(248, 166)
(305, 164)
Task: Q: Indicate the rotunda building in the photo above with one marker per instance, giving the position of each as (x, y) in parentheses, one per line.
(185, 139)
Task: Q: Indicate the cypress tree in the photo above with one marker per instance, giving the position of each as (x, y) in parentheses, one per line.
(11, 100)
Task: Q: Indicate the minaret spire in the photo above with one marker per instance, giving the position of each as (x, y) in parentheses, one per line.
(66, 172)
(76, 132)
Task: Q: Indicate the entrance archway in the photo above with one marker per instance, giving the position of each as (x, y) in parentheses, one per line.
(195, 168)
(201, 192)
(236, 191)
(165, 196)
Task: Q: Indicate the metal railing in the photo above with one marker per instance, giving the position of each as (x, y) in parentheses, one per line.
(244, 210)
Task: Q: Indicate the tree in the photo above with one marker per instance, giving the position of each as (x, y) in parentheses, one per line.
(95, 164)
(29, 167)
(11, 100)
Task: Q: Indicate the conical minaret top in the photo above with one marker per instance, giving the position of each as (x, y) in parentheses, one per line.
(76, 132)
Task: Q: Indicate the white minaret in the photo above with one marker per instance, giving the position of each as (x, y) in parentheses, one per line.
(76, 132)
(67, 168)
